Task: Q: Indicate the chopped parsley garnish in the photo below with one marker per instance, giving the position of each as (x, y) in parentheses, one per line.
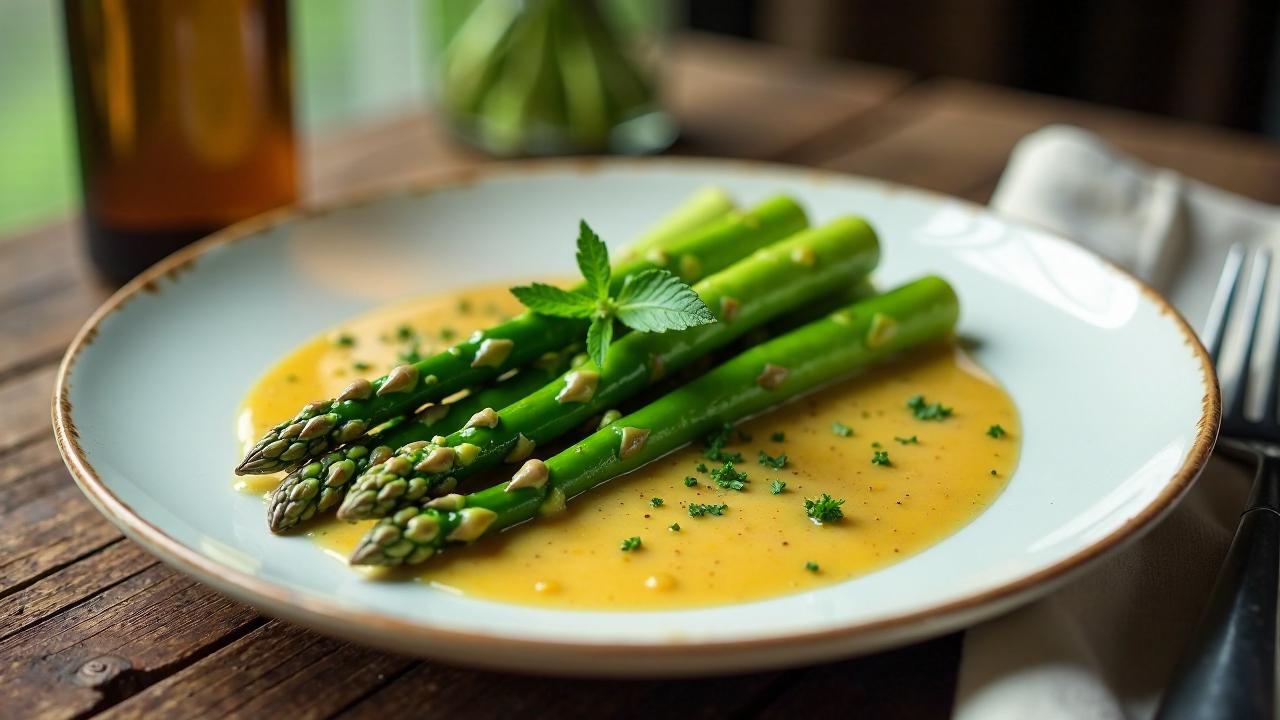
(464, 306)
(448, 333)
(715, 446)
(996, 431)
(656, 502)
(811, 566)
(361, 365)
(824, 509)
(410, 354)
(344, 340)
(690, 481)
(701, 467)
(777, 463)
(913, 440)
(778, 436)
(841, 429)
(728, 478)
(880, 457)
(994, 473)
(777, 486)
(631, 543)
(404, 332)
(700, 509)
(674, 527)
(926, 410)
(876, 445)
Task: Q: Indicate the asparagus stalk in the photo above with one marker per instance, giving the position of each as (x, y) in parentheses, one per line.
(705, 205)
(517, 342)
(835, 347)
(780, 279)
(319, 485)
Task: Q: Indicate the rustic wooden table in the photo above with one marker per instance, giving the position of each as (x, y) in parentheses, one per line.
(90, 624)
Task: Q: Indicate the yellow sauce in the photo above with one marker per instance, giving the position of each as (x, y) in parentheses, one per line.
(761, 545)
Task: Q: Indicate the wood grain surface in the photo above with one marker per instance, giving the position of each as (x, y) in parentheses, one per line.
(92, 625)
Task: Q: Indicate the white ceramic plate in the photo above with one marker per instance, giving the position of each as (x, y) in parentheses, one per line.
(1119, 409)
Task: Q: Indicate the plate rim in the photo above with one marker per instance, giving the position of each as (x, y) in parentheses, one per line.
(402, 634)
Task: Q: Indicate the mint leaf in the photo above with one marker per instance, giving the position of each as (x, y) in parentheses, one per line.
(599, 335)
(551, 300)
(657, 301)
(593, 261)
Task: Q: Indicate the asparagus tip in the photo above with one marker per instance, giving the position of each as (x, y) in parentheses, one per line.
(368, 553)
(356, 505)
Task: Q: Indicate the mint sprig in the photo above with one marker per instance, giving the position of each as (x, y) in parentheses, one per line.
(650, 301)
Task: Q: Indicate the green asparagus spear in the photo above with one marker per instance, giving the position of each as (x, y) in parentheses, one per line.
(705, 205)
(780, 279)
(514, 343)
(320, 484)
(838, 346)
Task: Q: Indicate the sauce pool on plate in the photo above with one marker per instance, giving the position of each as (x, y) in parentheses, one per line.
(909, 472)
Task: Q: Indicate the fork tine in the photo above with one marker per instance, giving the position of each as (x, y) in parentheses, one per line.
(1223, 299)
(1256, 292)
(1269, 384)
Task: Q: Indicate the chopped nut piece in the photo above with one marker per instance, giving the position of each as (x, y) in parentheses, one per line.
(487, 418)
(579, 386)
(493, 352)
(474, 522)
(803, 255)
(657, 368)
(433, 414)
(883, 329)
(533, 474)
(690, 268)
(554, 503)
(522, 449)
(729, 307)
(632, 440)
(466, 453)
(772, 376)
(437, 461)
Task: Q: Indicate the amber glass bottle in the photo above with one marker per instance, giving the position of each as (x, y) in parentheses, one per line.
(184, 120)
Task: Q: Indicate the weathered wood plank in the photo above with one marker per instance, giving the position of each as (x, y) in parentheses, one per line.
(955, 137)
(917, 681)
(48, 533)
(277, 670)
(431, 690)
(36, 482)
(114, 643)
(40, 453)
(24, 406)
(747, 100)
(114, 563)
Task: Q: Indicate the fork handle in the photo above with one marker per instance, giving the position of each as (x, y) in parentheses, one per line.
(1229, 669)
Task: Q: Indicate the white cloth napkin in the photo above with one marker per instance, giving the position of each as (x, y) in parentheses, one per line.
(1105, 645)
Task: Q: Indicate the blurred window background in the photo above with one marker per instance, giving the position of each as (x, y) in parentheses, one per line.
(1210, 61)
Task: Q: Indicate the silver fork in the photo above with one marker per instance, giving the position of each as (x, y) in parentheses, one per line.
(1229, 668)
